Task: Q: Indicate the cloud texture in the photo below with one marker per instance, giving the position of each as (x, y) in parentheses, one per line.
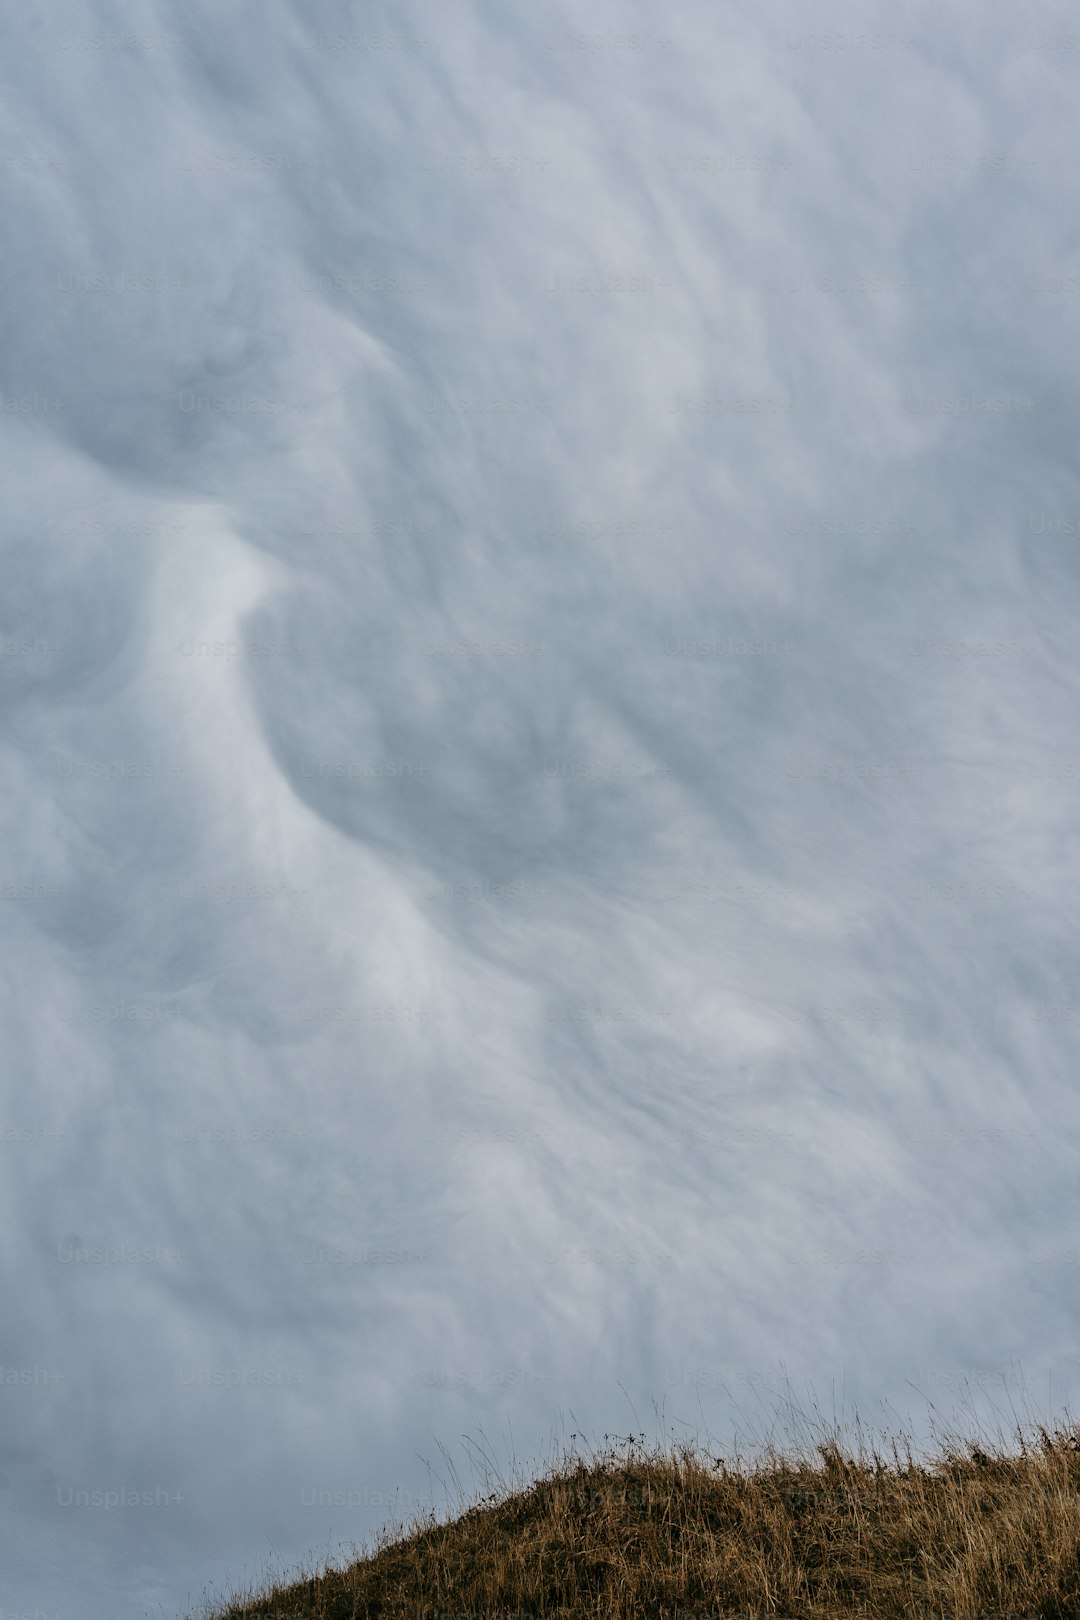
(539, 696)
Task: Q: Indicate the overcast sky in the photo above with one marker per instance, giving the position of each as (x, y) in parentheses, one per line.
(539, 717)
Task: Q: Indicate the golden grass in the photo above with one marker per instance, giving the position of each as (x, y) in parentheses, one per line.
(979, 1530)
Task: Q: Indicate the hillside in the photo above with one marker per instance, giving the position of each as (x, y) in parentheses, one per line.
(631, 1534)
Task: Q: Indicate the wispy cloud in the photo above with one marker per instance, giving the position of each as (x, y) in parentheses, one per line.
(539, 688)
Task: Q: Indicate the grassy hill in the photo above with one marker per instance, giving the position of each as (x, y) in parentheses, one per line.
(976, 1531)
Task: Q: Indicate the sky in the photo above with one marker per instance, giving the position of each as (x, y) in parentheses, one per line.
(539, 688)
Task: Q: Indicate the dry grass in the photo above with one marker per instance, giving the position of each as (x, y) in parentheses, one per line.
(978, 1530)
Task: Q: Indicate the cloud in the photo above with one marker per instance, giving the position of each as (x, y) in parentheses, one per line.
(536, 659)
